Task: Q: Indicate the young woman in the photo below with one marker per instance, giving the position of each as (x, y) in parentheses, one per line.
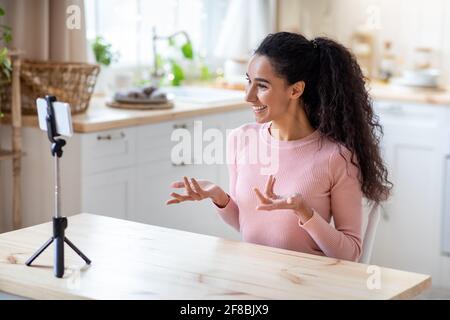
(310, 103)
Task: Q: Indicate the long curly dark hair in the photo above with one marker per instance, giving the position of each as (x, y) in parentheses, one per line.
(335, 99)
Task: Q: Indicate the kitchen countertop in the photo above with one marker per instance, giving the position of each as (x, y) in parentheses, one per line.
(138, 261)
(380, 91)
(100, 117)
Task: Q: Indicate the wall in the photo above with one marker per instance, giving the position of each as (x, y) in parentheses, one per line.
(407, 23)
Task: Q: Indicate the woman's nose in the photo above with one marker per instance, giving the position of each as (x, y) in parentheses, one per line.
(250, 95)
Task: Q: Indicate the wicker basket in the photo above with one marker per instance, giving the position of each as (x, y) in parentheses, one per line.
(70, 82)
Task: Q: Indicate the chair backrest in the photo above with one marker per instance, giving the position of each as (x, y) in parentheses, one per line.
(369, 235)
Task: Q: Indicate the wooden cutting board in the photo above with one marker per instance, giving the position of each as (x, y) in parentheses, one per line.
(140, 106)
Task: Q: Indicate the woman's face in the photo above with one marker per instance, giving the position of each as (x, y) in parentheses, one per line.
(269, 95)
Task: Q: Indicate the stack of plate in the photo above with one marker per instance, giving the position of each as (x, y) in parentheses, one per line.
(146, 98)
(427, 78)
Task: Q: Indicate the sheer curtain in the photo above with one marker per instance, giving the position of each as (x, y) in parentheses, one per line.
(246, 23)
(39, 29)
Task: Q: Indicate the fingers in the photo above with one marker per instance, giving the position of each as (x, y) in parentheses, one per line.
(177, 198)
(193, 189)
(270, 192)
(172, 201)
(197, 187)
(181, 197)
(178, 184)
(263, 199)
(276, 205)
(269, 185)
(189, 190)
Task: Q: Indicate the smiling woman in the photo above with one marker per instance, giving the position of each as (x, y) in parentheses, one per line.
(312, 108)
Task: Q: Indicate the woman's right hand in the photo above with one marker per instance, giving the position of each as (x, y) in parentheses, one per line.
(197, 190)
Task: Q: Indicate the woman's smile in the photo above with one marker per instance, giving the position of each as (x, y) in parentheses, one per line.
(259, 109)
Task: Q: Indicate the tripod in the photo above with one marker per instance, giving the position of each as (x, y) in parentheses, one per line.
(59, 222)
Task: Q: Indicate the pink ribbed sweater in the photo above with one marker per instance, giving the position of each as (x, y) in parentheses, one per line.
(310, 166)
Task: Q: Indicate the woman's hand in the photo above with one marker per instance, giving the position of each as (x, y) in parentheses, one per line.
(197, 190)
(271, 201)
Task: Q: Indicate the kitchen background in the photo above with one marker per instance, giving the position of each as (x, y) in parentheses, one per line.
(403, 47)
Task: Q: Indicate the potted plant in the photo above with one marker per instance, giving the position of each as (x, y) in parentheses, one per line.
(104, 56)
(180, 63)
(5, 62)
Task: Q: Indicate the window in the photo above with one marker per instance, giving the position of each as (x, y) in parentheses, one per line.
(127, 25)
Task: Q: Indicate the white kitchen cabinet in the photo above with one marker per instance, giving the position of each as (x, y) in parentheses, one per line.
(409, 232)
(108, 150)
(110, 193)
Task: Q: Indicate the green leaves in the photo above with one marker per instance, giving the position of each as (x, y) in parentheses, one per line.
(205, 74)
(6, 36)
(103, 52)
(178, 73)
(5, 63)
(187, 51)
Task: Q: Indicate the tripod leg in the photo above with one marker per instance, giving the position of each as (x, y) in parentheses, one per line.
(37, 253)
(59, 257)
(74, 248)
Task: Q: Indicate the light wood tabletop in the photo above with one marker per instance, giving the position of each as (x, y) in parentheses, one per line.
(138, 261)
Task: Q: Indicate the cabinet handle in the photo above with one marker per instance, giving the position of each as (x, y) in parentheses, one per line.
(180, 126)
(119, 136)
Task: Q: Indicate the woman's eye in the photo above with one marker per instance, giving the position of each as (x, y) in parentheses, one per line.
(262, 86)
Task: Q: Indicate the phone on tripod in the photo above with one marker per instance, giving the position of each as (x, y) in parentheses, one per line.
(55, 118)
(62, 113)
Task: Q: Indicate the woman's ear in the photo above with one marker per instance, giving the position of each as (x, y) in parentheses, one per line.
(297, 89)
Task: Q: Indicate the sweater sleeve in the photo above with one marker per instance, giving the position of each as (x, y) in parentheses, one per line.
(343, 241)
(230, 213)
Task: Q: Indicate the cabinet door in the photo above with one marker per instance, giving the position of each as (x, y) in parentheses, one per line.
(408, 233)
(108, 150)
(111, 193)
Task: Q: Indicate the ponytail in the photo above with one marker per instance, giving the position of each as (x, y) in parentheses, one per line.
(335, 99)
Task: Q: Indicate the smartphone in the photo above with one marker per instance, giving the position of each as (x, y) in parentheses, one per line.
(62, 113)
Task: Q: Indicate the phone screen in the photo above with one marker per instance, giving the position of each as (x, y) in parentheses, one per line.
(62, 115)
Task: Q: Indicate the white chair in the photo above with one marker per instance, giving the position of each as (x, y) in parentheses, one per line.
(373, 219)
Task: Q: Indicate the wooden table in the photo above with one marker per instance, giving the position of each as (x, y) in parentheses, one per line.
(138, 261)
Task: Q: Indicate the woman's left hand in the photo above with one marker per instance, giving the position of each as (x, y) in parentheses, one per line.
(271, 201)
